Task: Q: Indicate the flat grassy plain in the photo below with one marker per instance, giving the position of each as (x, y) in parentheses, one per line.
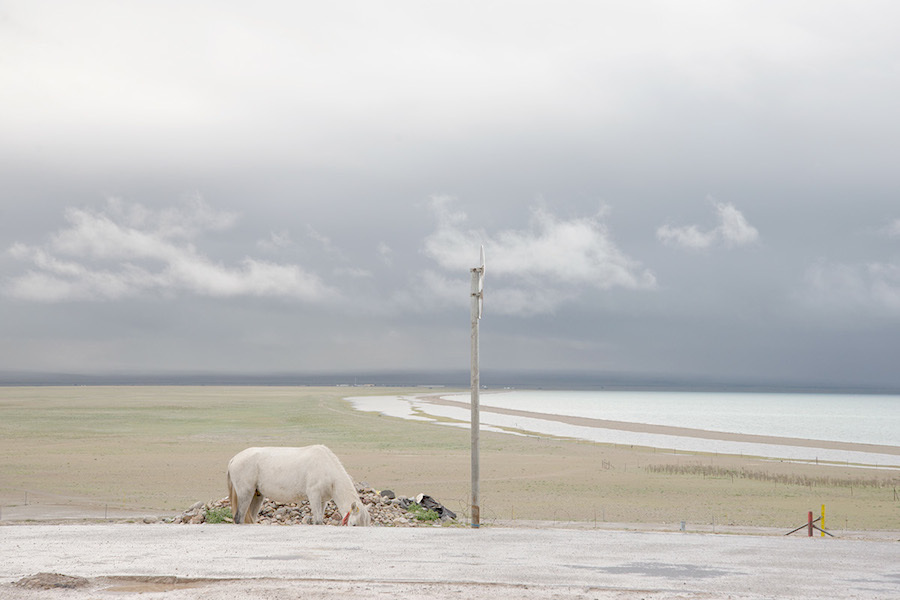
(160, 449)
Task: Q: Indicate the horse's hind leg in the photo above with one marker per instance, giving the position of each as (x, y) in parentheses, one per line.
(317, 506)
(237, 504)
(253, 511)
(239, 508)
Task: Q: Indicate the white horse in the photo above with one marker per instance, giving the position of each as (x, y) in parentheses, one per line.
(289, 475)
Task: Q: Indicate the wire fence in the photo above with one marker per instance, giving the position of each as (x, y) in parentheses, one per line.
(717, 472)
(27, 504)
(19, 504)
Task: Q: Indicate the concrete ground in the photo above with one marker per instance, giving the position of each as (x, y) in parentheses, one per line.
(227, 561)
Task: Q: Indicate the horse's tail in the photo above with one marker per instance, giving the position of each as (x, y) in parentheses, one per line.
(233, 497)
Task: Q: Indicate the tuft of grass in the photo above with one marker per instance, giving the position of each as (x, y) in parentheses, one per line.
(219, 515)
(421, 513)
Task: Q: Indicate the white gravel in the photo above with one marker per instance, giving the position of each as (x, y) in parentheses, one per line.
(227, 561)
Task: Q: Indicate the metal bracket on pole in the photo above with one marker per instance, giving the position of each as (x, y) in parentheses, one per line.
(477, 306)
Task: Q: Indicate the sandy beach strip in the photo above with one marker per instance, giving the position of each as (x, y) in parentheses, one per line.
(669, 430)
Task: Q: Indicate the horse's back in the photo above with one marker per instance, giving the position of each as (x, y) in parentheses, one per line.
(281, 453)
(317, 459)
(285, 455)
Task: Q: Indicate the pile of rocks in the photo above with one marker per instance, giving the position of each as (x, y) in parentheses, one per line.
(384, 507)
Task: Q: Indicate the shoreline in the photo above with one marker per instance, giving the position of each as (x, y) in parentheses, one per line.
(671, 430)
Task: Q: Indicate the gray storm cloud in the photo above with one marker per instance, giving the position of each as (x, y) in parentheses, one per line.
(341, 164)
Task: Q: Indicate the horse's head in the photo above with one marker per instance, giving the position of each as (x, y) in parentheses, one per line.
(357, 515)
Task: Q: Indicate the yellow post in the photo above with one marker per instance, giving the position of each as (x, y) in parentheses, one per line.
(822, 524)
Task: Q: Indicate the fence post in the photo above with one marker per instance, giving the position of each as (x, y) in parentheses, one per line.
(809, 525)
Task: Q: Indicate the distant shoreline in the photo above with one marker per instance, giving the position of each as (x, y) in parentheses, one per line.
(491, 380)
(523, 418)
(675, 431)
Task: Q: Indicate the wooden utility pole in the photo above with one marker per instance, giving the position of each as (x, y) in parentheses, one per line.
(474, 425)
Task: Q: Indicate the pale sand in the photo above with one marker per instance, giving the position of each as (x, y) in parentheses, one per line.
(99, 451)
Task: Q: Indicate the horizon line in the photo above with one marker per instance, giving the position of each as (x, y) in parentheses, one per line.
(457, 378)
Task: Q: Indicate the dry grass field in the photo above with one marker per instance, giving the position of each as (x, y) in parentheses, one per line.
(160, 449)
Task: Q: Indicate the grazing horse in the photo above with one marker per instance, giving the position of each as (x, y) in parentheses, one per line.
(289, 475)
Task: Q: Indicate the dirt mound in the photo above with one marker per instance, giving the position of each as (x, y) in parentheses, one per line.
(49, 581)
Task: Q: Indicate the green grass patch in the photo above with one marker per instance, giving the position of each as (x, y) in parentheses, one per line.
(219, 515)
(421, 513)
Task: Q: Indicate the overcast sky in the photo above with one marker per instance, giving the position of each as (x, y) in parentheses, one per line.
(681, 189)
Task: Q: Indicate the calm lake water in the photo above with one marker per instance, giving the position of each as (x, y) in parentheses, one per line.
(862, 419)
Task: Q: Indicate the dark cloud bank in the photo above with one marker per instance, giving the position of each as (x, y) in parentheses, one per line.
(668, 195)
